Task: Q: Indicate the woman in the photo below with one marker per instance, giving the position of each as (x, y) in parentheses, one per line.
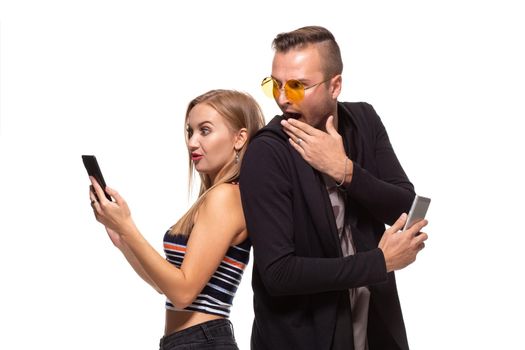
(208, 248)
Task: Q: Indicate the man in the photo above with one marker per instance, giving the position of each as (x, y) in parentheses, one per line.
(317, 185)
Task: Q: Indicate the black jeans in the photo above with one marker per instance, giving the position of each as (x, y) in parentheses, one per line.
(211, 335)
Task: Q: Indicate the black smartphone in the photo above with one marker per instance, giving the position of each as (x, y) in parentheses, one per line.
(417, 211)
(91, 164)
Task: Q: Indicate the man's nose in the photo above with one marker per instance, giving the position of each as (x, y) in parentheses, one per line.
(282, 99)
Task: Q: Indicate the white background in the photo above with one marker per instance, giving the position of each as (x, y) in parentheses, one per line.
(112, 78)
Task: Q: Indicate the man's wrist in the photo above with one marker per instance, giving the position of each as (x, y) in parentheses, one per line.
(345, 176)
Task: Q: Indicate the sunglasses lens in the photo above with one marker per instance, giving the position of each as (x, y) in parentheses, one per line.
(268, 86)
(294, 90)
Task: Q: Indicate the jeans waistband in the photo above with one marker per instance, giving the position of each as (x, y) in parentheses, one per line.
(207, 331)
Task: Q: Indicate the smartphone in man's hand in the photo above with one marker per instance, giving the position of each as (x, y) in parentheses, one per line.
(417, 211)
(93, 169)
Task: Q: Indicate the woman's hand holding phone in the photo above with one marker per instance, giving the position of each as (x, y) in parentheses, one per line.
(115, 215)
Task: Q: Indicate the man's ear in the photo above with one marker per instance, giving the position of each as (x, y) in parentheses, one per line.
(240, 139)
(336, 84)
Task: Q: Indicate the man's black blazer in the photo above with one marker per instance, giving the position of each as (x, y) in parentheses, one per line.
(300, 278)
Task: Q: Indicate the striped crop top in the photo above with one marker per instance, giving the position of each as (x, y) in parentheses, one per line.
(217, 296)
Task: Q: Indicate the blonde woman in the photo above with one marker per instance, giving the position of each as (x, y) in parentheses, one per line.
(208, 248)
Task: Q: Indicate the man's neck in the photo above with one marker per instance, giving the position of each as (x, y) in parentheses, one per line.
(322, 124)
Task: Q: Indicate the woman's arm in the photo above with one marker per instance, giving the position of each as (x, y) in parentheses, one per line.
(131, 258)
(124, 249)
(219, 222)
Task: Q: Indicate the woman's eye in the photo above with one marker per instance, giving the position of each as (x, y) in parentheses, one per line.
(205, 131)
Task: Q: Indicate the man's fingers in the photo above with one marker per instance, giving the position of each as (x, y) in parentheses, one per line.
(297, 147)
(300, 126)
(330, 127)
(398, 225)
(421, 237)
(415, 228)
(294, 132)
(293, 136)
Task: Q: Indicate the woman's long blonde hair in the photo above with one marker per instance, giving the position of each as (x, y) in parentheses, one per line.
(239, 110)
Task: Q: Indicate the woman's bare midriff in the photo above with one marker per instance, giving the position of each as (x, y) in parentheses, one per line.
(179, 320)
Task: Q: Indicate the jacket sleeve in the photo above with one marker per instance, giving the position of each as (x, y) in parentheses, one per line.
(266, 185)
(390, 193)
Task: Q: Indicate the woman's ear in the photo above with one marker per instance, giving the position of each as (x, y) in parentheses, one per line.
(240, 139)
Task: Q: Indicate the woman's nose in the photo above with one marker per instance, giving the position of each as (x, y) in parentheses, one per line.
(193, 142)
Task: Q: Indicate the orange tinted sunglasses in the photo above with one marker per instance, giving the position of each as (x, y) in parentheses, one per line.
(293, 89)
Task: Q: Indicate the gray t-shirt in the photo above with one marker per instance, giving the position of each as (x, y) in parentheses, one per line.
(359, 297)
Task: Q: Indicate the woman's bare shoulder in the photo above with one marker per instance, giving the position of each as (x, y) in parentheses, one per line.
(225, 196)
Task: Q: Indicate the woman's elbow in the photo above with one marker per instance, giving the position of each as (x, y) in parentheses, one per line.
(182, 300)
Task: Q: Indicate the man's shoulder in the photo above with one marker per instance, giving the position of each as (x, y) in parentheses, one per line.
(361, 114)
(269, 146)
(357, 109)
(271, 132)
